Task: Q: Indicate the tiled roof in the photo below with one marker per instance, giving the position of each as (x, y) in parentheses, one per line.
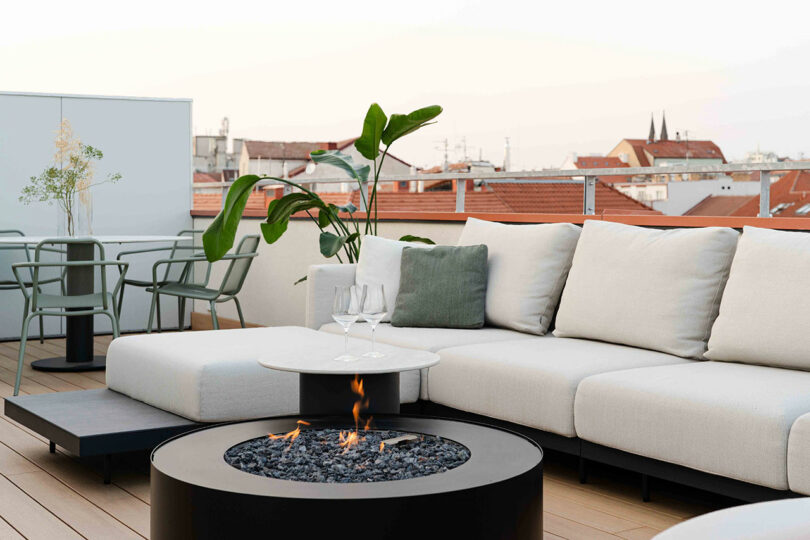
(599, 162)
(200, 177)
(604, 162)
(290, 150)
(791, 193)
(495, 198)
(213, 201)
(566, 199)
(719, 205)
(675, 149)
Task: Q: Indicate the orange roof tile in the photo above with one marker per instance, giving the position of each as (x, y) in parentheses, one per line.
(604, 162)
(675, 149)
(566, 199)
(719, 205)
(792, 190)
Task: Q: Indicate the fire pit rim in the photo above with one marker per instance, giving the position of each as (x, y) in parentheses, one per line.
(497, 454)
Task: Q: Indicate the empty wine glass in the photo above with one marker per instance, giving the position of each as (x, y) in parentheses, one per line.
(373, 309)
(345, 311)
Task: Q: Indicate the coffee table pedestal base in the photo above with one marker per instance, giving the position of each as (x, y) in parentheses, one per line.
(321, 394)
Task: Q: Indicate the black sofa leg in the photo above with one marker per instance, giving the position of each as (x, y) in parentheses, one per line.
(583, 470)
(52, 447)
(645, 488)
(107, 468)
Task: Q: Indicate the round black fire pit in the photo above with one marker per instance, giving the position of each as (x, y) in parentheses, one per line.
(494, 493)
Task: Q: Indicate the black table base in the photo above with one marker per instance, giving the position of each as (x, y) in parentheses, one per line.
(323, 394)
(78, 330)
(61, 363)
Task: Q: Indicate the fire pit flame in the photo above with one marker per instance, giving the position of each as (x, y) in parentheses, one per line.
(352, 438)
(291, 435)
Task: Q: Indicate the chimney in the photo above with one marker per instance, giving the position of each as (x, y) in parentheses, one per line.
(507, 156)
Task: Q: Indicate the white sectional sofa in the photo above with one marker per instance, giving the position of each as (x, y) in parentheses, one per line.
(681, 354)
(688, 411)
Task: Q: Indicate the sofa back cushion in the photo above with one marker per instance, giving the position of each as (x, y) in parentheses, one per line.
(380, 260)
(656, 289)
(528, 265)
(764, 316)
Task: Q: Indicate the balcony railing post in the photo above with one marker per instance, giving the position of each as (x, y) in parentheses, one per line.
(461, 192)
(764, 194)
(589, 196)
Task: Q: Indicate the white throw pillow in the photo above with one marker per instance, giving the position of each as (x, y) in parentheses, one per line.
(764, 317)
(527, 269)
(656, 289)
(380, 259)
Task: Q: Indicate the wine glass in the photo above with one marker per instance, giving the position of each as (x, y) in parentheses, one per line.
(373, 309)
(345, 311)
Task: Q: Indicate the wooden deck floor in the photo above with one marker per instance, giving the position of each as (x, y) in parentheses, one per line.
(53, 496)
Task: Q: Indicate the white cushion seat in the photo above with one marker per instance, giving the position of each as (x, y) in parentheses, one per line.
(727, 419)
(530, 381)
(798, 456)
(773, 520)
(428, 339)
(215, 376)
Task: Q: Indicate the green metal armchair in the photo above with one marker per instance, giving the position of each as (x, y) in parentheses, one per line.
(240, 262)
(8, 282)
(65, 305)
(178, 273)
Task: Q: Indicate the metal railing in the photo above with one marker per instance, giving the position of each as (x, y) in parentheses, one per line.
(587, 177)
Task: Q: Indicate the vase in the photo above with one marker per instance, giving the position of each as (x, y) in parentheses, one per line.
(79, 220)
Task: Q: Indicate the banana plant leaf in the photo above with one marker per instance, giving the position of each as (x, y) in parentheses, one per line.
(400, 125)
(412, 238)
(218, 238)
(331, 244)
(368, 144)
(342, 161)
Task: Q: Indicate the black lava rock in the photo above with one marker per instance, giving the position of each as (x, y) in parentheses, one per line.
(316, 456)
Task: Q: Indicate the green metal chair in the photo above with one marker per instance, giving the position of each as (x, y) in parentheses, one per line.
(177, 273)
(58, 305)
(8, 282)
(231, 284)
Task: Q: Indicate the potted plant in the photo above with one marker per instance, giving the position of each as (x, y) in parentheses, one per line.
(341, 229)
(69, 180)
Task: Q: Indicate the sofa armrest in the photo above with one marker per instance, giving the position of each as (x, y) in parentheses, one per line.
(321, 282)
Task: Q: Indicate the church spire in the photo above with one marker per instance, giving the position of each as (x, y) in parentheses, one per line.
(651, 136)
(664, 136)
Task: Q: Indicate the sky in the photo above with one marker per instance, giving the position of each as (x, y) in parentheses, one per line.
(555, 78)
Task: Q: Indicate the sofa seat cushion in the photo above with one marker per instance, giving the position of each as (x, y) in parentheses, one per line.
(798, 457)
(215, 376)
(727, 419)
(428, 339)
(531, 381)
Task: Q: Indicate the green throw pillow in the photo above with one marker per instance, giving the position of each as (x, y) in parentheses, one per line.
(443, 287)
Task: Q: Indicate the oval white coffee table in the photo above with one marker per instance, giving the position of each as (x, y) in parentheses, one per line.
(325, 384)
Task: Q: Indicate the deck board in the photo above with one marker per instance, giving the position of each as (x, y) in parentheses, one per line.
(45, 495)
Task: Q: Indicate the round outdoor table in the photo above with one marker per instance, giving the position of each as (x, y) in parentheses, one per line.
(325, 384)
(80, 280)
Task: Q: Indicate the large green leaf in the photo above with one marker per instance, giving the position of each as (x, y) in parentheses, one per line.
(218, 238)
(400, 125)
(331, 244)
(412, 238)
(342, 161)
(368, 144)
